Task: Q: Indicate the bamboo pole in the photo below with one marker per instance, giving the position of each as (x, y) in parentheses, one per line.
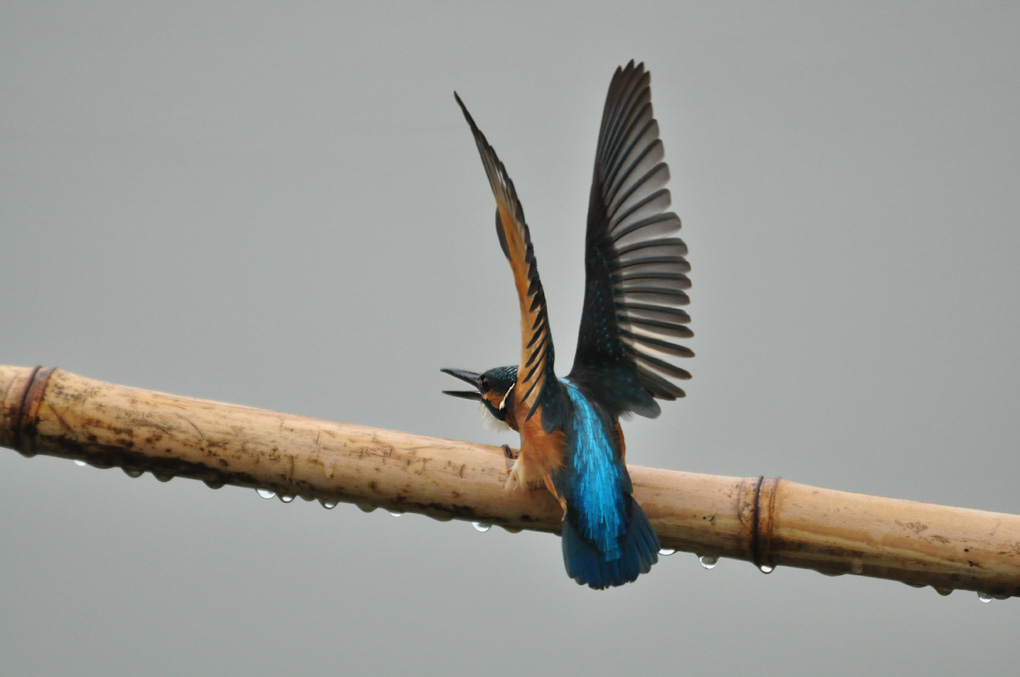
(771, 522)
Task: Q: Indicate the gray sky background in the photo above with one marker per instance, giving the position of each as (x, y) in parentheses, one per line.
(284, 208)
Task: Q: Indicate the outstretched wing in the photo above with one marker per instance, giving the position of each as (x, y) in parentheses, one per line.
(636, 274)
(536, 386)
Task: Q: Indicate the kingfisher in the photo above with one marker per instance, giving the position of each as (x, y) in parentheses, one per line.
(636, 282)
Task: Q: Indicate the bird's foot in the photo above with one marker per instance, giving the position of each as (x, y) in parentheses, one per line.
(511, 457)
(514, 471)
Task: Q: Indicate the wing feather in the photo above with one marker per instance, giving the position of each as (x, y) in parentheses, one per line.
(635, 266)
(537, 385)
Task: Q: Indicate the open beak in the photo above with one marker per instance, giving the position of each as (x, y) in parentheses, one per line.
(467, 377)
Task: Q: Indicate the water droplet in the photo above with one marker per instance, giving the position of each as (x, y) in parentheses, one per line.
(766, 568)
(163, 477)
(133, 472)
(328, 505)
(481, 526)
(512, 530)
(395, 513)
(286, 498)
(984, 597)
(666, 552)
(708, 561)
(266, 493)
(945, 592)
(212, 484)
(26, 453)
(365, 507)
(915, 585)
(79, 463)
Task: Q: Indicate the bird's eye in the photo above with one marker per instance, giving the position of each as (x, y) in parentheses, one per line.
(484, 383)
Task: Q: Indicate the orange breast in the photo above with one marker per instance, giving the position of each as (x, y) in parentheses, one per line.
(541, 453)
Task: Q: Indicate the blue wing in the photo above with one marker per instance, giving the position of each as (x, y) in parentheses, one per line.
(636, 273)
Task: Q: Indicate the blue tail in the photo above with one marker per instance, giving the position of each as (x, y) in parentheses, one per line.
(638, 551)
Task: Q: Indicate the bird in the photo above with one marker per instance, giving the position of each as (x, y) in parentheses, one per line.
(636, 282)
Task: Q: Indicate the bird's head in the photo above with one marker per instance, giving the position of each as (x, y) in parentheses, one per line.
(494, 389)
